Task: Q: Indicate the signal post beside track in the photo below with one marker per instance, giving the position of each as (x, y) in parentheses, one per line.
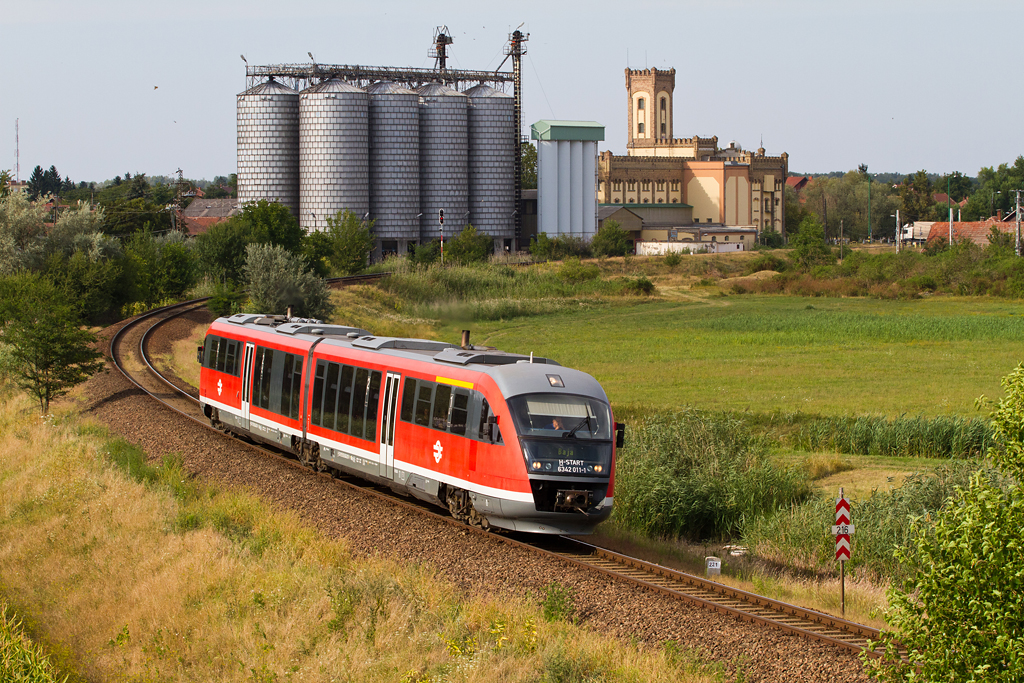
(842, 530)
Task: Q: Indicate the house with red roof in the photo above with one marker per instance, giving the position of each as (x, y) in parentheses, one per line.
(975, 231)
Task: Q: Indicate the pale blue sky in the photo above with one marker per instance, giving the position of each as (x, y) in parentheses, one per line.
(899, 85)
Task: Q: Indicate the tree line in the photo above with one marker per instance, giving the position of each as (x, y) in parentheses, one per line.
(863, 205)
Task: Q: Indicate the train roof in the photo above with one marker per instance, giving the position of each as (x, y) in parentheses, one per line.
(514, 373)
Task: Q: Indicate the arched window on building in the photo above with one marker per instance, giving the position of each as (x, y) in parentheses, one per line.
(640, 127)
(640, 103)
(662, 130)
(663, 104)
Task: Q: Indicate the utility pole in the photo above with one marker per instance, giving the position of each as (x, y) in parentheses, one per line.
(869, 209)
(1017, 214)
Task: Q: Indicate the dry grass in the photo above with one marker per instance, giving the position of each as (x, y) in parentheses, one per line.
(182, 359)
(823, 465)
(378, 311)
(155, 577)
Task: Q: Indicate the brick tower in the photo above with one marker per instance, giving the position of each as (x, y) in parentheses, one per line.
(650, 105)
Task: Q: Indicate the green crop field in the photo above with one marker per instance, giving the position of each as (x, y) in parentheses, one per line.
(775, 353)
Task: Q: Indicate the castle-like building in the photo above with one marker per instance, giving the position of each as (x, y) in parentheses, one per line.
(723, 186)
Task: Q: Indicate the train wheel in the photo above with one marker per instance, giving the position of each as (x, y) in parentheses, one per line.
(457, 501)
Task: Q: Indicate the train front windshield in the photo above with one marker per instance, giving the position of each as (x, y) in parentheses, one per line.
(564, 434)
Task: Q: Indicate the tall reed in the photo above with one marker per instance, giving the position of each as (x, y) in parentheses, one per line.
(937, 437)
(692, 475)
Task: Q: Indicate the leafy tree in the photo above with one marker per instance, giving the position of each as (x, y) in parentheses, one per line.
(916, 194)
(5, 183)
(50, 353)
(276, 279)
(125, 217)
(772, 239)
(529, 165)
(961, 613)
(221, 250)
(469, 246)
(610, 240)
(271, 223)
(350, 242)
(809, 247)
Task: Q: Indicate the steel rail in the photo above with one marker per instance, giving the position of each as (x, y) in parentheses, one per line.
(726, 600)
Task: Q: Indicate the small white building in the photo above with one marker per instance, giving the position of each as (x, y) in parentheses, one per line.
(567, 177)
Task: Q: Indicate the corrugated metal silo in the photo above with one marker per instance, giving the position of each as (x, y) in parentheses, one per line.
(268, 144)
(394, 165)
(444, 160)
(492, 153)
(334, 152)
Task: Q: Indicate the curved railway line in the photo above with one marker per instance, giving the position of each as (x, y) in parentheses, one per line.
(134, 363)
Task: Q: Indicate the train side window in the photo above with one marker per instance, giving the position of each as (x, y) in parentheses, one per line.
(460, 411)
(261, 376)
(316, 411)
(231, 364)
(344, 424)
(331, 395)
(210, 352)
(359, 402)
(424, 393)
(408, 399)
(442, 404)
(291, 384)
(222, 355)
(274, 370)
(372, 403)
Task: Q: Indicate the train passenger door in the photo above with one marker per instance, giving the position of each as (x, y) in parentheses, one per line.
(387, 426)
(250, 349)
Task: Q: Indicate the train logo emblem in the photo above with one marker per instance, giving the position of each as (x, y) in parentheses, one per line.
(438, 451)
(220, 387)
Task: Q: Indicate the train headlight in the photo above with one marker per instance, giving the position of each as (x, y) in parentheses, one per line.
(599, 468)
(536, 464)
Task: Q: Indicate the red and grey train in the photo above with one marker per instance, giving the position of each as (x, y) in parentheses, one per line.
(499, 439)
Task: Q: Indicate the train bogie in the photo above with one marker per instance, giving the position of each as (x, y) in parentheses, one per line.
(498, 439)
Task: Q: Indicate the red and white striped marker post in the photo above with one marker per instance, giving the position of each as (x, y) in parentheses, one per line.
(842, 530)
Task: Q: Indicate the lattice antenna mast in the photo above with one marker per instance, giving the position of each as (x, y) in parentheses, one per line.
(17, 152)
(515, 49)
(439, 50)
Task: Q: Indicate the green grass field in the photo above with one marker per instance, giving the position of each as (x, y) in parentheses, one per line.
(778, 353)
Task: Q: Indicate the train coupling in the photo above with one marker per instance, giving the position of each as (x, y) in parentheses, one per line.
(579, 501)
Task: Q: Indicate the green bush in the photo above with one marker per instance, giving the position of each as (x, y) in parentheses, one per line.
(573, 270)
(640, 285)
(560, 247)
(610, 240)
(673, 259)
(695, 476)
(766, 262)
(469, 246)
(350, 241)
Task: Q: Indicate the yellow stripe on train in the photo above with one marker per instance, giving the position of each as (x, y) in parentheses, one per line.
(454, 382)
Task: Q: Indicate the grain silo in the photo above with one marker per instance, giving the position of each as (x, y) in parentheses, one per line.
(394, 166)
(444, 160)
(334, 152)
(492, 155)
(268, 144)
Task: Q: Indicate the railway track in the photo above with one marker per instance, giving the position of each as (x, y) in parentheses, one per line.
(128, 349)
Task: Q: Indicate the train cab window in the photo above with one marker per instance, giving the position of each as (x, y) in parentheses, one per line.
(442, 403)
(460, 412)
(221, 354)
